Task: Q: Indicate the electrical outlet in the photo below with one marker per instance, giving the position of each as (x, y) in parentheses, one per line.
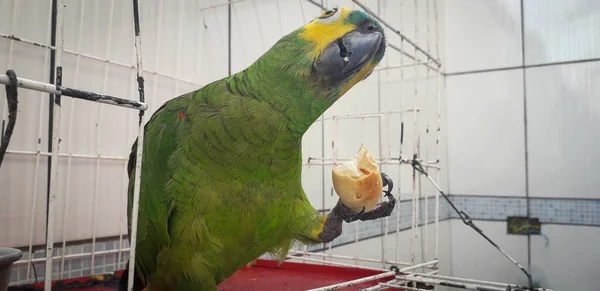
(523, 225)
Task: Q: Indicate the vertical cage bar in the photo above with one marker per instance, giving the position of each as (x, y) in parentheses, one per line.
(437, 172)
(38, 153)
(35, 190)
(438, 128)
(125, 178)
(140, 144)
(400, 156)
(229, 14)
(427, 138)
(413, 197)
(95, 193)
(362, 142)
(69, 142)
(382, 123)
(179, 47)
(322, 164)
(60, 14)
(122, 219)
(98, 131)
(157, 45)
(11, 43)
(335, 140)
(416, 201)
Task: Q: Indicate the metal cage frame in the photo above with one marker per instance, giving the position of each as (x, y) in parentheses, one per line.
(407, 274)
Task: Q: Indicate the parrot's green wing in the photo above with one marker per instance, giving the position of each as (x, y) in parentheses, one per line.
(190, 187)
(153, 228)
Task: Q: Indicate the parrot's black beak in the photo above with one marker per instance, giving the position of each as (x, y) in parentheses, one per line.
(342, 59)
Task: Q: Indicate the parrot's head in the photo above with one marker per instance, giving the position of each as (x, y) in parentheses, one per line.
(309, 69)
(343, 46)
(330, 54)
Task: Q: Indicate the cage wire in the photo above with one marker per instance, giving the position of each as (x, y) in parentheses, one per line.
(410, 273)
(56, 91)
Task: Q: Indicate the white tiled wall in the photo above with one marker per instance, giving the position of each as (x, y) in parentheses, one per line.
(563, 105)
(486, 148)
(561, 30)
(486, 134)
(482, 34)
(473, 257)
(566, 263)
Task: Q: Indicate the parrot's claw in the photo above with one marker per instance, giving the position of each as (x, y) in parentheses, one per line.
(387, 181)
(382, 209)
(332, 227)
(354, 217)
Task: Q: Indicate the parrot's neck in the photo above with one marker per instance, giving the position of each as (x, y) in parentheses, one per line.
(261, 121)
(290, 95)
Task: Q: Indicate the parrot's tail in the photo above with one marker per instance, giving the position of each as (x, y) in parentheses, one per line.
(138, 285)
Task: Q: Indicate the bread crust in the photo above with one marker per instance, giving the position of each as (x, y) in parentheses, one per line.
(358, 182)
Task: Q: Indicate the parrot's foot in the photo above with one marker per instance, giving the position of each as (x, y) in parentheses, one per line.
(352, 217)
(381, 210)
(326, 228)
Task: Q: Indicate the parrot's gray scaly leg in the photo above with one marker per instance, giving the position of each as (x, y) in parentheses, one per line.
(385, 208)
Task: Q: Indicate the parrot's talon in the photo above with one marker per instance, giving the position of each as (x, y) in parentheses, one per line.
(382, 209)
(387, 181)
(362, 211)
(356, 216)
(391, 198)
(390, 184)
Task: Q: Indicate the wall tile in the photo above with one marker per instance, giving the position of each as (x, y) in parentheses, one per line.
(473, 257)
(563, 111)
(572, 248)
(485, 133)
(561, 30)
(489, 208)
(482, 35)
(548, 210)
(564, 211)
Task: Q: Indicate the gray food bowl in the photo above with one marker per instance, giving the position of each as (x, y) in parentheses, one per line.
(7, 257)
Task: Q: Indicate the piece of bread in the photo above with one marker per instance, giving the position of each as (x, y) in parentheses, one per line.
(358, 182)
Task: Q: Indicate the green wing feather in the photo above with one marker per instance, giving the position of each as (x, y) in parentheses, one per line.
(155, 207)
(207, 155)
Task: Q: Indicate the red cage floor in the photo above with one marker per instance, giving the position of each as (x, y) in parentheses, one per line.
(264, 275)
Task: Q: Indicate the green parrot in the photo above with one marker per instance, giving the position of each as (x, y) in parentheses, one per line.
(221, 170)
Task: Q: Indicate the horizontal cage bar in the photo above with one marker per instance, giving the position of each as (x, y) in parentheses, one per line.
(75, 93)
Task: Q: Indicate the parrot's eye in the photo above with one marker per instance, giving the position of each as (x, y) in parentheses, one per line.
(328, 13)
(329, 16)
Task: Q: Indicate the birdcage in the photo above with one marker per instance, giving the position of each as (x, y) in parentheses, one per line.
(84, 95)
